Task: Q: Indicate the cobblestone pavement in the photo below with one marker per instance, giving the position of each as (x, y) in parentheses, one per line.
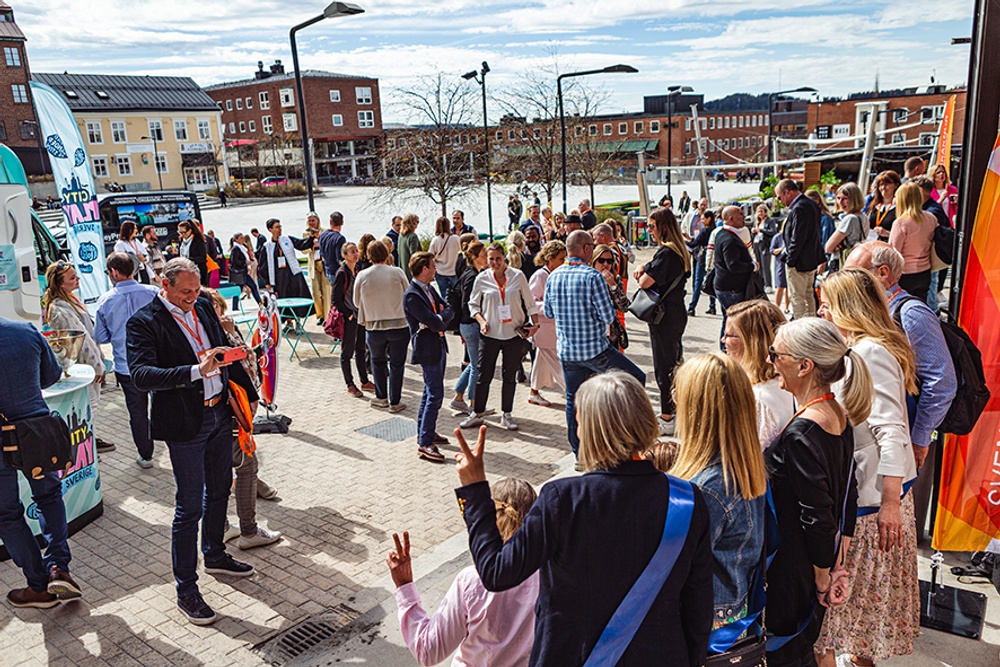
(341, 494)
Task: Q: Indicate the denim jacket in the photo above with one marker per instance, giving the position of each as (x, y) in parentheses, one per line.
(737, 533)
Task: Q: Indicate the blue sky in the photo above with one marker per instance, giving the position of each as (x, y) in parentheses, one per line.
(716, 46)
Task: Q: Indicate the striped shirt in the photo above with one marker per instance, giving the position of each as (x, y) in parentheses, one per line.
(576, 297)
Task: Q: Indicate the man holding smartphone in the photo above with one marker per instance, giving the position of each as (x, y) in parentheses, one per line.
(172, 347)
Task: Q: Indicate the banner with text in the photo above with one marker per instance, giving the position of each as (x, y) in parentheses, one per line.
(969, 503)
(945, 133)
(75, 185)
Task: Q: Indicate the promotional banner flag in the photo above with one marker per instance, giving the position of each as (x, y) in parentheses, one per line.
(968, 515)
(943, 154)
(71, 169)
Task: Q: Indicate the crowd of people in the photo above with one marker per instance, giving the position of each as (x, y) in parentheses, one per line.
(832, 409)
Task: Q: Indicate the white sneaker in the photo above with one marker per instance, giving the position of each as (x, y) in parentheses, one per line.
(398, 407)
(666, 426)
(232, 531)
(459, 405)
(507, 421)
(262, 538)
(538, 399)
(471, 421)
(145, 464)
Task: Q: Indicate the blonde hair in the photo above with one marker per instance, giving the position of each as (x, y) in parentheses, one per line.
(716, 419)
(616, 420)
(668, 233)
(54, 289)
(820, 342)
(409, 223)
(662, 455)
(599, 250)
(513, 498)
(756, 322)
(855, 198)
(548, 251)
(515, 241)
(910, 202)
(858, 306)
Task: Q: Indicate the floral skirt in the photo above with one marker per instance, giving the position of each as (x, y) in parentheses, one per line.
(882, 616)
(547, 372)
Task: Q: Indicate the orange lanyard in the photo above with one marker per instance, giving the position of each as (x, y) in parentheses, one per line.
(818, 399)
(503, 288)
(893, 295)
(194, 333)
(881, 215)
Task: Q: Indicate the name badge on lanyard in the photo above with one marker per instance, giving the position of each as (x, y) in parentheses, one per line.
(503, 310)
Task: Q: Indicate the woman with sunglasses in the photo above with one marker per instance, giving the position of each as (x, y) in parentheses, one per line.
(882, 559)
(604, 261)
(811, 470)
(63, 310)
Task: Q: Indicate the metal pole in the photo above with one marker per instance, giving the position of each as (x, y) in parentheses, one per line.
(156, 161)
(670, 144)
(702, 176)
(562, 126)
(300, 108)
(770, 142)
(874, 109)
(486, 136)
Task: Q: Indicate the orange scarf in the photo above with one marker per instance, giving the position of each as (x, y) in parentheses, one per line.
(240, 405)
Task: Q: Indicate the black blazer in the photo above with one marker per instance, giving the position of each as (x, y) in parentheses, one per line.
(733, 264)
(803, 234)
(160, 360)
(426, 344)
(590, 538)
(198, 253)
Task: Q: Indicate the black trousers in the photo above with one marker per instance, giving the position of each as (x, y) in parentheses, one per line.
(489, 350)
(353, 346)
(137, 404)
(667, 349)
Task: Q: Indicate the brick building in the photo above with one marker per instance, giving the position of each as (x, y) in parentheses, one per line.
(260, 118)
(18, 124)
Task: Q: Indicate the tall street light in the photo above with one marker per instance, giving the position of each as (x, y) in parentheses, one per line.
(156, 165)
(612, 69)
(770, 109)
(480, 78)
(672, 92)
(333, 10)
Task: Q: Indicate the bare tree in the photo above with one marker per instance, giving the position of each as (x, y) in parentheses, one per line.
(590, 156)
(431, 157)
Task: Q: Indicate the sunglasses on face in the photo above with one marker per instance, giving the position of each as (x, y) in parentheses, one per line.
(604, 260)
(772, 354)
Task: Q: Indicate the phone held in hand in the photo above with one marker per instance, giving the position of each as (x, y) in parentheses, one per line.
(229, 356)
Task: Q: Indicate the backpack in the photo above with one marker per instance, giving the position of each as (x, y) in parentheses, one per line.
(972, 394)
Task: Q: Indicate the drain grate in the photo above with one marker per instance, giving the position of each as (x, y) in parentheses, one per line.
(394, 429)
(303, 637)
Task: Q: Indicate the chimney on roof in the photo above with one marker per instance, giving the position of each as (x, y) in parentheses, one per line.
(277, 68)
(260, 73)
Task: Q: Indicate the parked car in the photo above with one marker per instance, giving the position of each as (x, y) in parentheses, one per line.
(273, 180)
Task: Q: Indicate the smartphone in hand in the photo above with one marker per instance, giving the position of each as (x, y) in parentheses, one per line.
(229, 356)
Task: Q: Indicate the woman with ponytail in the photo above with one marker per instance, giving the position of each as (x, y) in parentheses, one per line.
(811, 470)
(488, 629)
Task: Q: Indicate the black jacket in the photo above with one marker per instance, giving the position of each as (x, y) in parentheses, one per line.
(198, 253)
(343, 283)
(427, 343)
(803, 246)
(733, 264)
(160, 360)
(466, 280)
(590, 538)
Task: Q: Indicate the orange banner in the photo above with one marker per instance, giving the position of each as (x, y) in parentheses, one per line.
(944, 136)
(968, 513)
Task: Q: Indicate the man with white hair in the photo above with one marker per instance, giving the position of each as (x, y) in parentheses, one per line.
(935, 370)
(587, 215)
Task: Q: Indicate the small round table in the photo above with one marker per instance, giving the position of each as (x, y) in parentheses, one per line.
(288, 309)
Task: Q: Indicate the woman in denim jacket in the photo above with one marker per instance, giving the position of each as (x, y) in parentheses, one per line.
(720, 452)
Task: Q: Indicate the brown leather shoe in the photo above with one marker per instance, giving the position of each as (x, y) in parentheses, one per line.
(431, 453)
(62, 585)
(25, 597)
(440, 439)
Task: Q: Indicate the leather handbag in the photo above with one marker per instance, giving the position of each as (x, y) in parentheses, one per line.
(708, 284)
(751, 652)
(646, 302)
(334, 325)
(37, 445)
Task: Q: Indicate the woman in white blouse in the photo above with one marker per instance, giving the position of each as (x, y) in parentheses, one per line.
(503, 306)
(445, 247)
(749, 332)
(882, 557)
(130, 245)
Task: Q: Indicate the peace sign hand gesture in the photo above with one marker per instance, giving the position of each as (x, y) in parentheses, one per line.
(400, 565)
(470, 463)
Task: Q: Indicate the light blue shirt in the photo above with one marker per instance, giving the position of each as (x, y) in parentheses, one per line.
(114, 309)
(576, 297)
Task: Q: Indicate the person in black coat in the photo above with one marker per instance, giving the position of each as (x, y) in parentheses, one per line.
(803, 247)
(733, 264)
(174, 346)
(592, 536)
(427, 316)
(194, 247)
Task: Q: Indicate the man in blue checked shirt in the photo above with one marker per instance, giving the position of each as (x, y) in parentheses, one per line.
(935, 369)
(576, 297)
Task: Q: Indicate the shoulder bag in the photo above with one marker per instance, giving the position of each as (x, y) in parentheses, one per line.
(632, 611)
(37, 445)
(646, 302)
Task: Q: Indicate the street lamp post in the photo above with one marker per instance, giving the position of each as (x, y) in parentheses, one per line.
(333, 10)
(673, 91)
(156, 165)
(612, 69)
(770, 108)
(480, 78)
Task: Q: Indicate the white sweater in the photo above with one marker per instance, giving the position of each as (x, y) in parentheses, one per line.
(378, 295)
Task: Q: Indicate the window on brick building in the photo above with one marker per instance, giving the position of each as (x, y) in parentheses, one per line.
(654, 125)
(94, 134)
(338, 120)
(363, 94)
(334, 95)
(232, 128)
(243, 127)
(20, 93)
(239, 104)
(366, 119)
(29, 130)
(252, 125)
(290, 122)
(637, 126)
(12, 55)
(265, 124)
(229, 105)
(592, 130)
(536, 133)
(687, 124)
(249, 103)
(287, 97)
(498, 135)
(607, 129)
(265, 102)
(711, 125)
(622, 128)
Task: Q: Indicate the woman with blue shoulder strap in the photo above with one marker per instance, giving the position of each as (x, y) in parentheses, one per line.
(623, 551)
(811, 469)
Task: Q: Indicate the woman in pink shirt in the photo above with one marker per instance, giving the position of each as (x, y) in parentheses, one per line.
(488, 629)
(913, 236)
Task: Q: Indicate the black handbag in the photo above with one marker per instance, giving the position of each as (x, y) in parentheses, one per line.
(751, 652)
(37, 445)
(646, 302)
(755, 287)
(708, 284)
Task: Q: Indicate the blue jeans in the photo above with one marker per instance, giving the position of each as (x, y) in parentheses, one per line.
(728, 299)
(444, 283)
(388, 350)
(431, 399)
(577, 372)
(137, 404)
(16, 535)
(932, 293)
(203, 471)
(699, 279)
(467, 380)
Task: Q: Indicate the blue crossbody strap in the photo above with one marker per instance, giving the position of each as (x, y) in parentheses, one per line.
(632, 611)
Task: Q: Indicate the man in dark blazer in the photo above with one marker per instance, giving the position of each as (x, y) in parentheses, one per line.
(428, 315)
(174, 346)
(803, 247)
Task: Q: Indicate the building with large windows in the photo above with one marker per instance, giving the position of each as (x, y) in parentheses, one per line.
(145, 132)
(18, 125)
